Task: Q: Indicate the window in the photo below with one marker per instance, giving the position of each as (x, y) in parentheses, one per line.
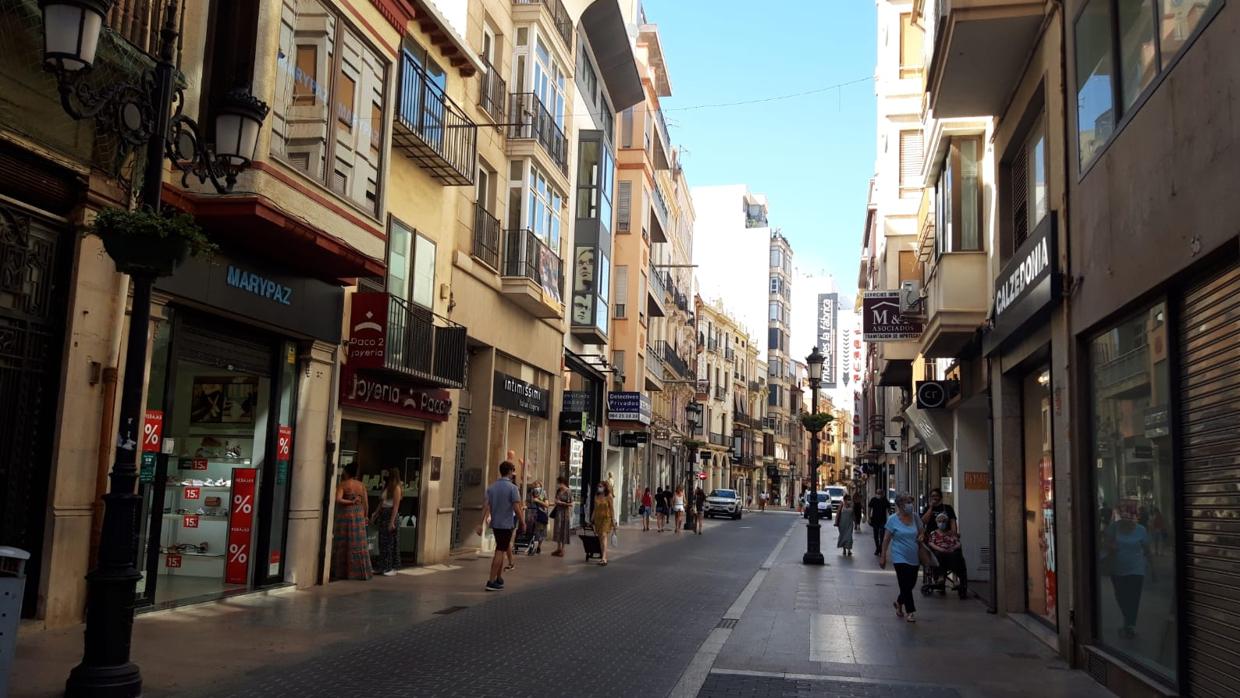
(774, 284)
(1027, 185)
(549, 80)
(1134, 527)
(1119, 54)
(595, 170)
(624, 206)
(777, 258)
(910, 268)
(543, 212)
(776, 311)
(621, 289)
(958, 198)
(911, 54)
(910, 162)
(411, 265)
(617, 362)
(587, 79)
(328, 114)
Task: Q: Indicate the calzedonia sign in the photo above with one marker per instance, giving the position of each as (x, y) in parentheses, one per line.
(1026, 285)
(393, 395)
(516, 394)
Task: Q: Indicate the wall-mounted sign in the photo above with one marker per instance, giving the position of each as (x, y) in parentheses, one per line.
(574, 421)
(935, 394)
(976, 480)
(628, 440)
(393, 395)
(881, 320)
(628, 407)
(1026, 285)
(893, 444)
(516, 394)
(368, 318)
(827, 306)
(152, 431)
(258, 285)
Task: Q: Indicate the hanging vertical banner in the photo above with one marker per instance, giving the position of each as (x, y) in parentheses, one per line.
(240, 525)
(284, 451)
(827, 307)
(152, 431)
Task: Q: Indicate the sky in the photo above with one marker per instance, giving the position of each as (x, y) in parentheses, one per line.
(812, 155)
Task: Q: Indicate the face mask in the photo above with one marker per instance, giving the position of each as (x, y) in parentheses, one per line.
(943, 525)
(599, 490)
(908, 508)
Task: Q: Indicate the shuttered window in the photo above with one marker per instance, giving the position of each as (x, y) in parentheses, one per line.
(624, 206)
(910, 162)
(1020, 198)
(620, 298)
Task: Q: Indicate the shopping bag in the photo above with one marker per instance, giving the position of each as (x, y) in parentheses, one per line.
(615, 539)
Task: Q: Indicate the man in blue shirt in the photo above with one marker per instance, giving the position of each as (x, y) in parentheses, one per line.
(504, 508)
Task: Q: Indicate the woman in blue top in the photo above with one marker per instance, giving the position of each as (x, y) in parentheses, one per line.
(1128, 549)
(900, 543)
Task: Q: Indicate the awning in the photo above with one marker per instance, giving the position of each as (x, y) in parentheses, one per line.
(933, 427)
(609, 37)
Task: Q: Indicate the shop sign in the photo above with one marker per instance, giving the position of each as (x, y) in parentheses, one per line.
(172, 561)
(1157, 422)
(628, 407)
(628, 440)
(152, 431)
(192, 493)
(147, 472)
(368, 335)
(240, 525)
(1026, 285)
(976, 480)
(893, 444)
(258, 285)
(574, 421)
(828, 303)
(516, 394)
(881, 320)
(935, 394)
(393, 395)
(189, 521)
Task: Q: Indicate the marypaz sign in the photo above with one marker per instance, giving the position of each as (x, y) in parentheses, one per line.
(881, 320)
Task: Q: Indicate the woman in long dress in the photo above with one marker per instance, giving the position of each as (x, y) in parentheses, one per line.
(563, 515)
(350, 557)
(844, 522)
(603, 518)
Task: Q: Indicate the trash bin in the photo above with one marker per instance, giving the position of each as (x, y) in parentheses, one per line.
(12, 586)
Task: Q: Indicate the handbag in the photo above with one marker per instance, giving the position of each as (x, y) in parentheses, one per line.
(540, 516)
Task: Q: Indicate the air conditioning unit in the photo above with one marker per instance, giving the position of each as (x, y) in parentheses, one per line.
(912, 302)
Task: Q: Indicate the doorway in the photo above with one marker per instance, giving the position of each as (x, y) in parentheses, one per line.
(1041, 589)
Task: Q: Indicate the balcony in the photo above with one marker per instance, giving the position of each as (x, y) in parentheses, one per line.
(980, 47)
(530, 120)
(956, 301)
(679, 367)
(1127, 375)
(431, 129)
(703, 389)
(492, 93)
(655, 371)
(721, 392)
(755, 386)
(532, 274)
(729, 354)
(719, 439)
(390, 334)
(655, 295)
(925, 226)
(558, 16)
(658, 215)
(486, 236)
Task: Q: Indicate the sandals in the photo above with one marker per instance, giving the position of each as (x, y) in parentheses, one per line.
(603, 563)
(899, 609)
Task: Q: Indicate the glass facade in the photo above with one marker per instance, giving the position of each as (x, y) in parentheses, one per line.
(1041, 580)
(1133, 489)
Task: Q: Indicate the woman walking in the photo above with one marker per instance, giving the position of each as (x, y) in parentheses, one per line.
(647, 503)
(384, 519)
(536, 518)
(563, 515)
(900, 545)
(699, 510)
(350, 557)
(662, 508)
(678, 506)
(603, 518)
(844, 522)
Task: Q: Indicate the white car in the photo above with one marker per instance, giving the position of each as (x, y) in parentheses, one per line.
(837, 497)
(723, 503)
(824, 506)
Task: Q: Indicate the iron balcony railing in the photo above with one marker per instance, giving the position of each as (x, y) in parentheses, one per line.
(721, 392)
(431, 129)
(654, 364)
(660, 205)
(1133, 363)
(559, 17)
(422, 345)
(729, 354)
(673, 360)
(530, 120)
(527, 257)
(139, 22)
(754, 386)
(657, 289)
(719, 439)
(486, 236)
(493, 93)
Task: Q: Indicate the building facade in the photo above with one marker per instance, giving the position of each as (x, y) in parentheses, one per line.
(782, 404)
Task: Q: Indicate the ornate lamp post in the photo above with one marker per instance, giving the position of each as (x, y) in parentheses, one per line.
(814, 423)
(693, 416)
(144, 110)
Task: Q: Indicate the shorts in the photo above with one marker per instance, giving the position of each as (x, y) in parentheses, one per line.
(662, 510)
(679, 509)
(503, 538)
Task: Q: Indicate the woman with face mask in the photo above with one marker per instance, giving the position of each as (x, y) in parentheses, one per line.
(604, 508)
(946, 546)
(536, 514)
(900, 545)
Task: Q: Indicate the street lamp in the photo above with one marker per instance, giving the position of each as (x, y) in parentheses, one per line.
(139, 111)
(693, 415)
(813, 543)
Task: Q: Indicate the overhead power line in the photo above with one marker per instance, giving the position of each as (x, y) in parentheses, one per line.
(775, 98)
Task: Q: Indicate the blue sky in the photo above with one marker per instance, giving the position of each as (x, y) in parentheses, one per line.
(811, 155)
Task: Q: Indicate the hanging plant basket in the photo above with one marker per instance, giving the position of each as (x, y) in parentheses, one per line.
(815, 423)
(145, 242)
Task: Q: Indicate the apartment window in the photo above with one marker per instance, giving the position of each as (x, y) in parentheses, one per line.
(587, 79)
(543, 212)
(595, 169)
(617, 362)
(411, 265)
(626, 128)
(777, 258)
(621, 294)
(958, 198)
(910, 162)
(1027, 184)
(331, 86)
(774, 284)
(624, 206)
(776, 311)
(910, 269)
(1119, 53)
(911, 54)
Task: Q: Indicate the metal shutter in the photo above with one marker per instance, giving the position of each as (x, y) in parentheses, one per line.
(624, 206)
(1019, 191)
(910, 160)
(1210, 416)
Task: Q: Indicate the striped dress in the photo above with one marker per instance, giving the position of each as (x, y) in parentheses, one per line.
(350, 556)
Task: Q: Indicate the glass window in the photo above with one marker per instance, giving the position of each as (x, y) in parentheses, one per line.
(327, 75)
(1095, 98)
(1138, 55)
(1038, 204)
(1041, 578)
(1180, 19)
(777, 259)
(970, 194)
(911, 54)
(1134, 523)
(543, 212)
(411, 265)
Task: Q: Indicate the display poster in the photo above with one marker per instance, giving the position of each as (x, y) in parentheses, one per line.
(284, 450)
(152, 431)
(240, 525)
(147, 472)
(881, 320)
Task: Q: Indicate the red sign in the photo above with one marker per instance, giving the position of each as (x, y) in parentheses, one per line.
(275, 556)
(702, 475)
(393, 395)
(172, 561)
(284, 442)
(189, 521)
(240, 525)
(368, 321)
(193, 493)
(199, 464)
(152, 431)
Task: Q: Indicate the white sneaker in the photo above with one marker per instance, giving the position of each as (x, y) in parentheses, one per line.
(911, 617)
(389, 573)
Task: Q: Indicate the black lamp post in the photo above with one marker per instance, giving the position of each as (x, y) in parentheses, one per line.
(813, 543)
(693, 416)
(144, 110)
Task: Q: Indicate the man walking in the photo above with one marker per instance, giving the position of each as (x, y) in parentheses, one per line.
(878, 520)
(504, 508)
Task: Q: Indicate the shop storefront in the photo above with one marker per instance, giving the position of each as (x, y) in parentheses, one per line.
(222, 403)
(581, 433)
(519, 421)
(629, 415)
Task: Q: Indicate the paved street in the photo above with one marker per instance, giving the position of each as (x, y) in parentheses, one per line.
(716, 615)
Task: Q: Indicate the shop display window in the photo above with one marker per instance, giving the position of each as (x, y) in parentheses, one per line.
(1041, 580)
(1133, 566)
(377, 449)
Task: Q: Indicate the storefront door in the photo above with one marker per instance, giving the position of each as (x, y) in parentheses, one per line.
(1039, 475)
(377, 449)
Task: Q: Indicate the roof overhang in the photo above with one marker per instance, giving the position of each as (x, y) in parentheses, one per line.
(444, 37)
(609, 39)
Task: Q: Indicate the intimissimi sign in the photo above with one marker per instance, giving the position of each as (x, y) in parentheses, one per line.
(1027, 285)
